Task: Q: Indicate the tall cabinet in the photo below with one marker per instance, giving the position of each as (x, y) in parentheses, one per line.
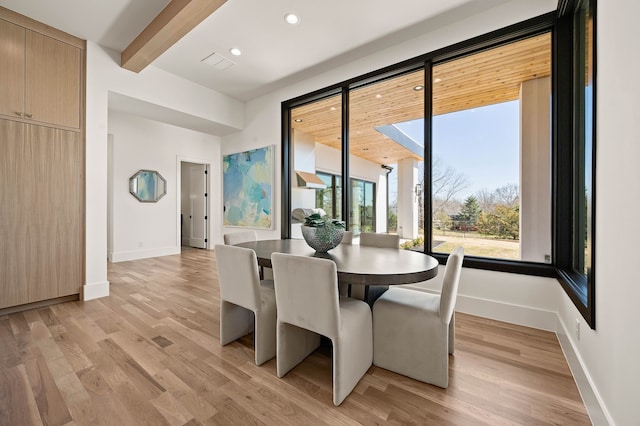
(41, 163)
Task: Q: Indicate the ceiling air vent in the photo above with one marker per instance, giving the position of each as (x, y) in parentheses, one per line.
(309, 180)
(218, 61)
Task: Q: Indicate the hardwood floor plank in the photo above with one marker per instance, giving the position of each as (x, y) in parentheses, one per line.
(83, 412)
(150, 354)
(230, 413)
(200, 409)
(171, 409)
(17, 403)
(51, 405)
(73, 353)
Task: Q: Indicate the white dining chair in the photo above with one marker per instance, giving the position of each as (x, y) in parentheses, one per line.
(246, 302)
(414, 331)
(372, 239)
(347, 237)
(234, 238)
(309, 306)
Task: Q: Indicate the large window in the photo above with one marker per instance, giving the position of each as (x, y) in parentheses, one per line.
(485, 144)
(491, 152)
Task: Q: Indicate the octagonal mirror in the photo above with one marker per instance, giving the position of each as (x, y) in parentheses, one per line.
(148, 186)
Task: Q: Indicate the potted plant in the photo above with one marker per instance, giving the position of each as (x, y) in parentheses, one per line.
(322, 233)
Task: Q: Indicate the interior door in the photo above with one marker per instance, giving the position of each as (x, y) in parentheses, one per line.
(198, 205)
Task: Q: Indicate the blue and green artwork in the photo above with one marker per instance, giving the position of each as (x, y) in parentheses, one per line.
(247, 179)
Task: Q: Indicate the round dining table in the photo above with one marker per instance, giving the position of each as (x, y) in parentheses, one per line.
(356, 264)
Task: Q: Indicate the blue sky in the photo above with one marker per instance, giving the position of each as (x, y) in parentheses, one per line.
(482, 143)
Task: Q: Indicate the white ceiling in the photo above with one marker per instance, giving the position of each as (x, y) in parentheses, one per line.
(274, 52)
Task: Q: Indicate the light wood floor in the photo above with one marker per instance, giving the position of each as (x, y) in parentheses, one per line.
(149, 354)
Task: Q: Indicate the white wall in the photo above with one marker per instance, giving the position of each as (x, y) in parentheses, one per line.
(168, 93)
(143, 230)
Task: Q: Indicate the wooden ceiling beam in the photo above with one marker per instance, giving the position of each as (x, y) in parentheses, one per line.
(176, 19)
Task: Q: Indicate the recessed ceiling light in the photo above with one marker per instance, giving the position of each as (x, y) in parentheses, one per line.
(298, 120)
(292, 18)
(418, 88)
(437, 80)
(235, 51)
(333, 108)
(378, 96)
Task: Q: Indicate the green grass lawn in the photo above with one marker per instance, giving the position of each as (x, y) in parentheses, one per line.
(475, 244)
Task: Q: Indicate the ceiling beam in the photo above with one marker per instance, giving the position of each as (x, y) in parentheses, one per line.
(176, 19)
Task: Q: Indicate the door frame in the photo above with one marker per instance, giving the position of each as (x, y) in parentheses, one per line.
(209, 164)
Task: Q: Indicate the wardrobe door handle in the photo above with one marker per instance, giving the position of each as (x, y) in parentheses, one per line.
(28, 115)
(19, 114)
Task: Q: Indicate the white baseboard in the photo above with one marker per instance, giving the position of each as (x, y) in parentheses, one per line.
(543, 320)
(500, 311)
(123, 256)
(590, 396)
(95, 290)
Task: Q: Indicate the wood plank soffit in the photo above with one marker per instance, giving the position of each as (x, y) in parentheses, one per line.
(174, 22)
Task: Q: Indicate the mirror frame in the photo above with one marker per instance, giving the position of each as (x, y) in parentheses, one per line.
(137, 191)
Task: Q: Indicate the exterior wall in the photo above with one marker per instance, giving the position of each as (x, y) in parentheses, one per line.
(330, 160)
(304, 160)
(535, 170)
(407, 200)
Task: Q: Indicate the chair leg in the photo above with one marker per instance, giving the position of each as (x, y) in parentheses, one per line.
(452, 333)
(352, 357)
(235, 322)
(293, 345)
(265, 335)
(343, 290)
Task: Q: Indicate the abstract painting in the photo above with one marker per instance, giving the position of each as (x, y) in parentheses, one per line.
(247, 179)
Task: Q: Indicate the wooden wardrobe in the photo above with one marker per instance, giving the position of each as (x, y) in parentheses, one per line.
(42, 88)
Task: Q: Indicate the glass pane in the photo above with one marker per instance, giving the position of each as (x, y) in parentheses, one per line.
(324, 196)
(363, 206)
(368, 211)
(588, 140)
(329, 199)
(386, 146)
(317, 146)
(491, 175)
(357, 203)
(584, 139)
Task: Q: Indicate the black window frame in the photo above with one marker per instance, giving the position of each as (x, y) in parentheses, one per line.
(560, 24)
(569, 197)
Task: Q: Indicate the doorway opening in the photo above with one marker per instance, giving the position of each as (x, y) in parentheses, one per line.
(194, 205)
